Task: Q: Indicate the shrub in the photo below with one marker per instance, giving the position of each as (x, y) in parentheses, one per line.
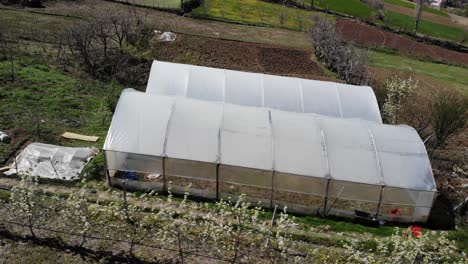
(449, 116)
(397, 90)
(406, 248)
(350, 64)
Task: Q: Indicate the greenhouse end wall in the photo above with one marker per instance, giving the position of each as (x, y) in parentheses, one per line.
(300, 194)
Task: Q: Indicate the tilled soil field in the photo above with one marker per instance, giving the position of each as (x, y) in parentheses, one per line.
(236, 55)
(370, 36)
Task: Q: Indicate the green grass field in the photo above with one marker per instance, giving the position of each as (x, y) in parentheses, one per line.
(350, 7)
(413, 6)
(256, 12)
(23, 20)
(406, 23)
(455, 75)
(64, 103)
(275, 15)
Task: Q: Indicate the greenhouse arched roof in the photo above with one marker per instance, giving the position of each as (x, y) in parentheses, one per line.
(268, 139)
(263, 90)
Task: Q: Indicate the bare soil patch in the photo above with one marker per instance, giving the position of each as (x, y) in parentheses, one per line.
(243, 56)
(370, 36)
(460, 20)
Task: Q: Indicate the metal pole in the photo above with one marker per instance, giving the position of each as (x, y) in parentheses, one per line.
(125, 200)
(16, 165)
(326, 198)
(380, 202)
(107, 168)
(217, 181)
(271, 196)
(164, 174)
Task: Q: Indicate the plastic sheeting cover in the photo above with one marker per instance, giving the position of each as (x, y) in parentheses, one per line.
(272, 140)
(299, 147)
(141, 124)
(193, 130)
(262, 90)
(403, 157)
(50, 161)
(351, 153)
(246, 137)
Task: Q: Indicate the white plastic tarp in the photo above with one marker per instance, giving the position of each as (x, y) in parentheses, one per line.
(344, 150)
(262, 90)
(50, 161)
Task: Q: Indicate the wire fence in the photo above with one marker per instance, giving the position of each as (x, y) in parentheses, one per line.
(132, 229)
(118, 241)
(168, 5)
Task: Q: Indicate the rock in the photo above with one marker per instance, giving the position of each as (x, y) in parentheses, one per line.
(167, 36)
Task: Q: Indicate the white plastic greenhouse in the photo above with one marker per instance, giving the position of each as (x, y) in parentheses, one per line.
(308, 162)
(262, 90)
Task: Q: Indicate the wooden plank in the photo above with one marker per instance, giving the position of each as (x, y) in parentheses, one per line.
(5, 168)
(80, 137)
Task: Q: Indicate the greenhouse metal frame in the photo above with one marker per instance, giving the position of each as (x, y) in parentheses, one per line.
(311, 164)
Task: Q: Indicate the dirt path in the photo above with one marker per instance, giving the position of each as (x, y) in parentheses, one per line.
(460, 20)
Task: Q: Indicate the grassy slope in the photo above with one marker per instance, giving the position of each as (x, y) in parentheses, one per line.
(350, 7)
(263, 13)
(406, 23)
(454, 75)
(255, 12)
(413, 6)
(63, 102)
(160, 20)
(24, 20)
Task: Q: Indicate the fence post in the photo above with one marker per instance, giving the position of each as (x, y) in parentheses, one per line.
(127, 217)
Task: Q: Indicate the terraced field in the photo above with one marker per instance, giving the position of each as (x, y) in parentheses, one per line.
(373, 37)
(453, 76)
(410, 5)
(162, 4)
(255, 12)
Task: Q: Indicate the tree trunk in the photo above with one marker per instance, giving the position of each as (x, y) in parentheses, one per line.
(12, 62)
(179, 244)
(419, 10)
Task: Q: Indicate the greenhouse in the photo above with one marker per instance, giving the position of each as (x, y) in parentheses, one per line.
(310, 163)
(263, 90)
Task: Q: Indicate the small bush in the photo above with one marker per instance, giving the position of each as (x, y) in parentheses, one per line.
(340, 57)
